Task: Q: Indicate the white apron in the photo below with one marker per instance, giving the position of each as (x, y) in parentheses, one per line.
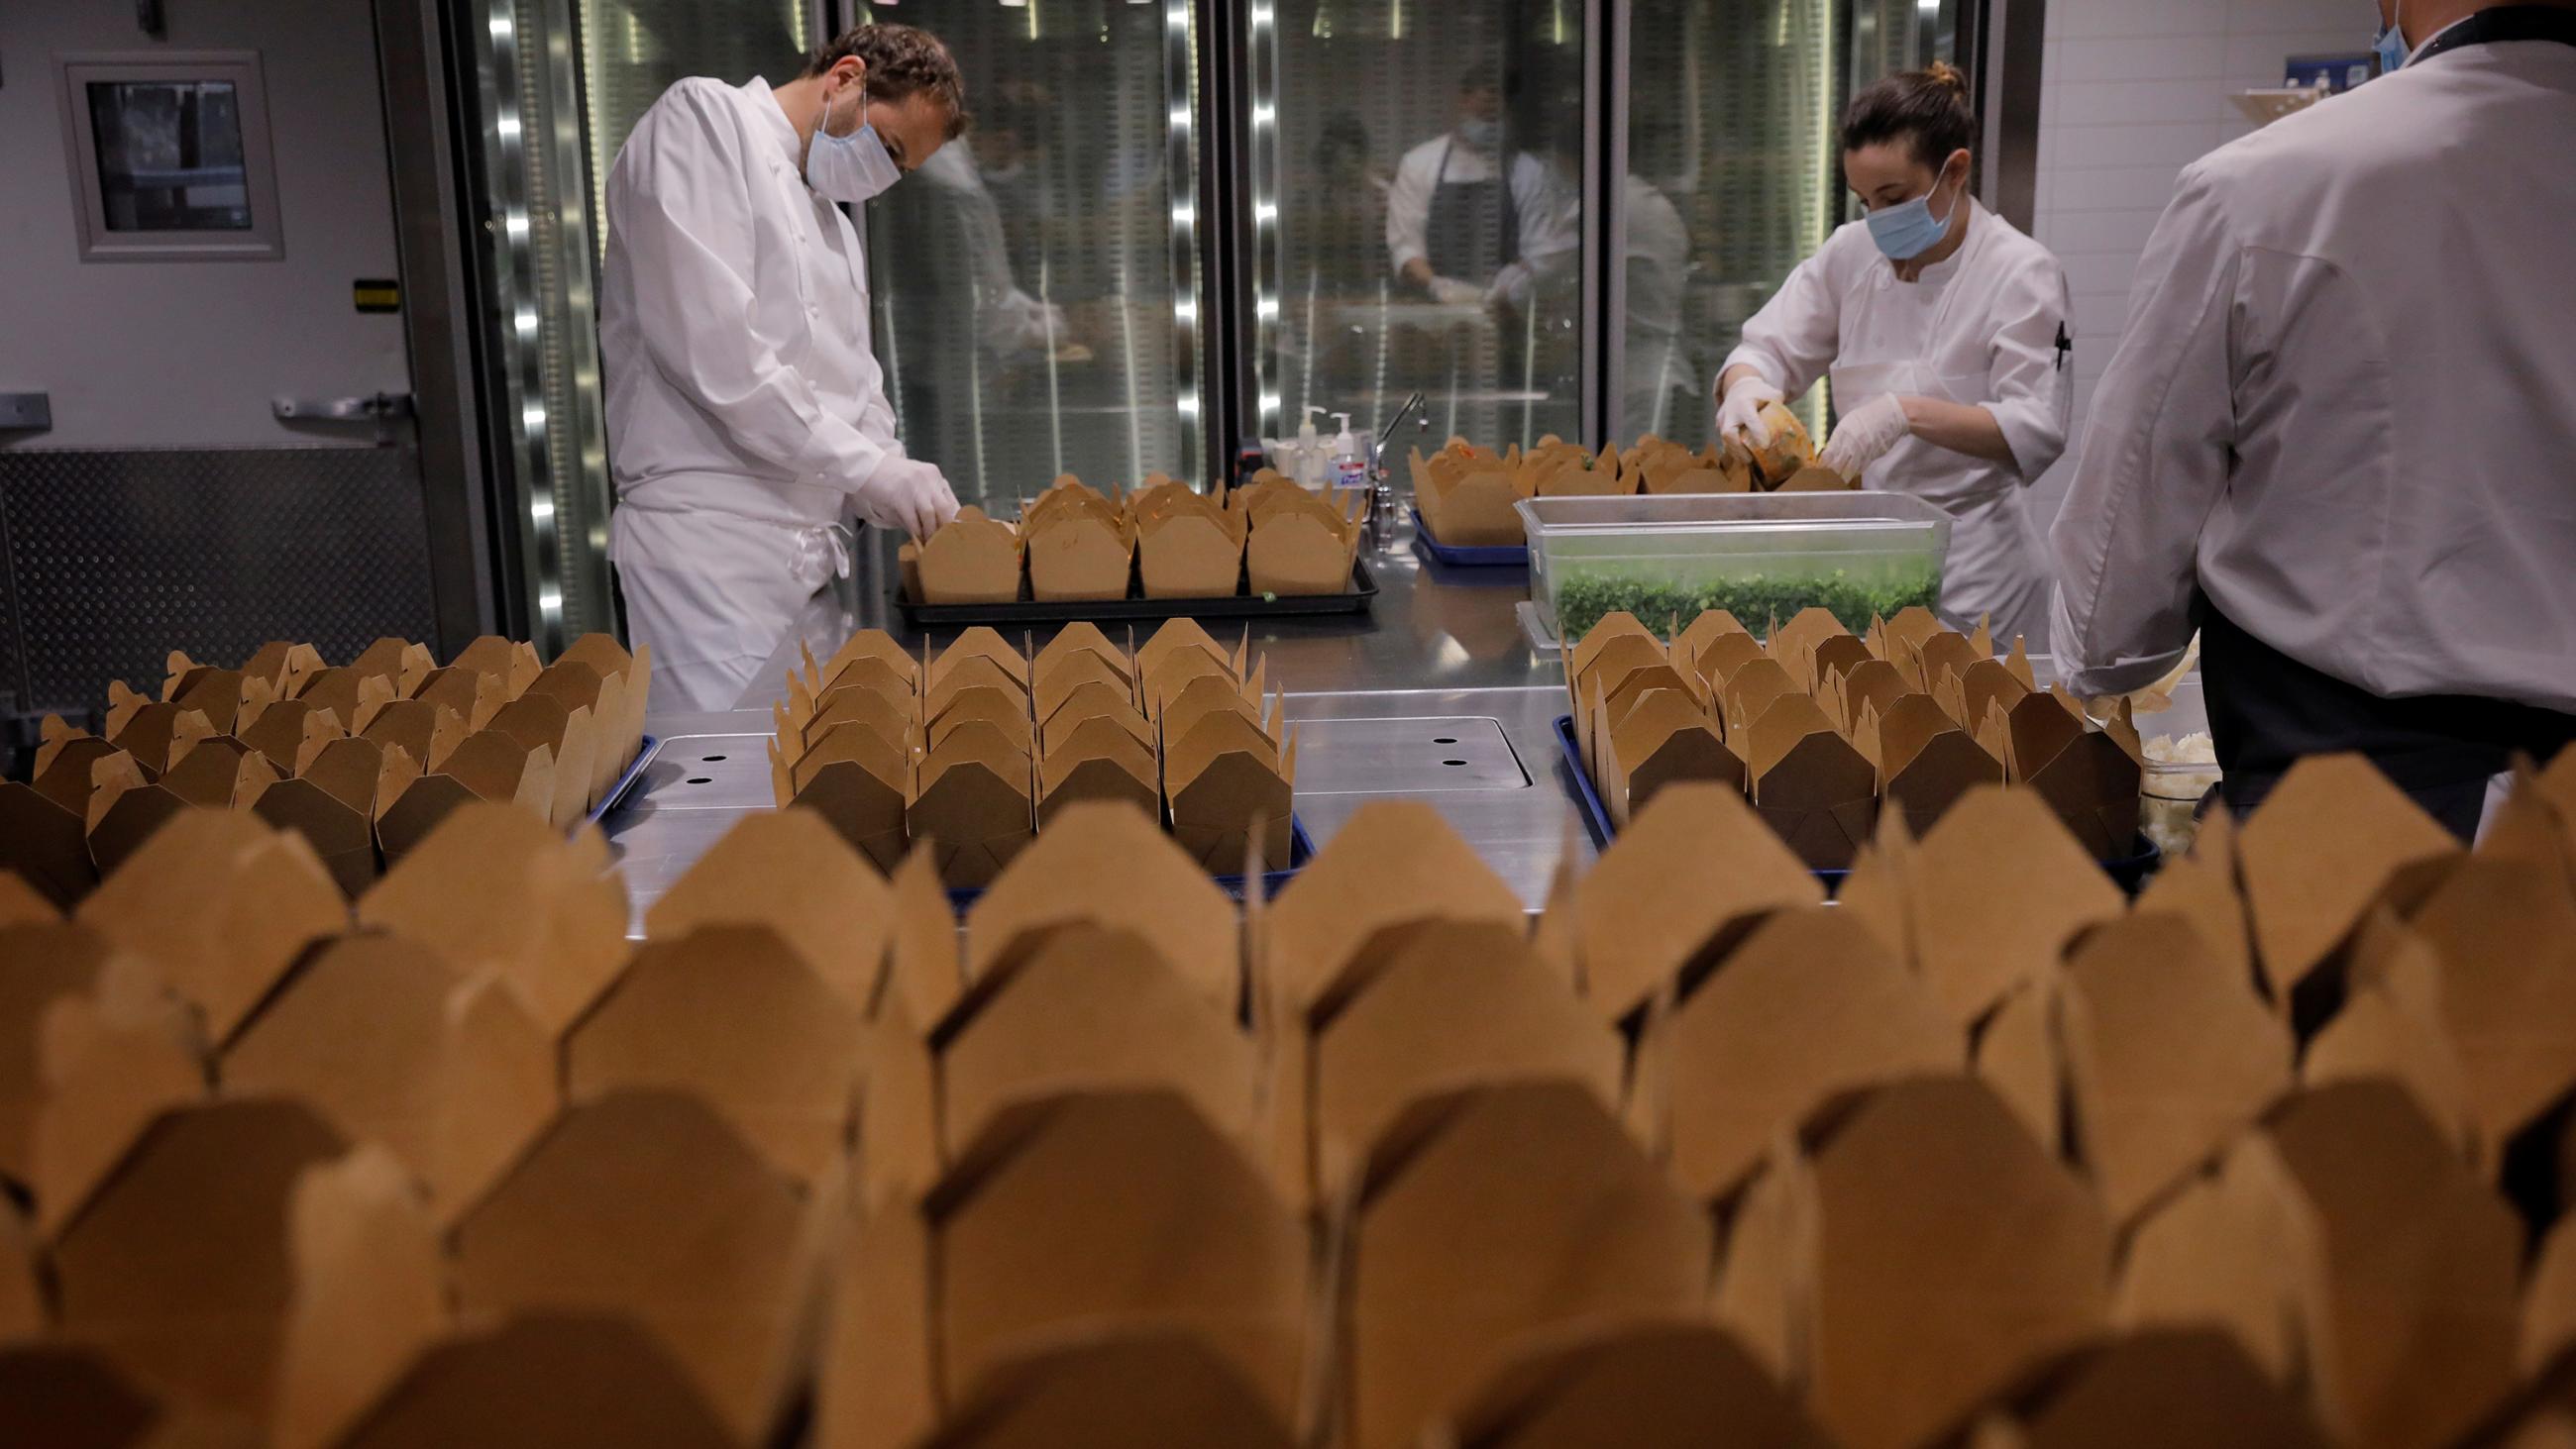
(1994, 570)
(714, 593)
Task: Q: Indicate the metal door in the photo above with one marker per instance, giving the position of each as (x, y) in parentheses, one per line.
(204, 393)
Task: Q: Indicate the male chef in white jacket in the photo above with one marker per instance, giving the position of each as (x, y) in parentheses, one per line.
(2340, 434)
(746, 411)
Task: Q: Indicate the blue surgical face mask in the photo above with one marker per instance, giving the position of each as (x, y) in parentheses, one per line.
(1479, 134)
(1909, 229)
(2391, 44)
(849, 168)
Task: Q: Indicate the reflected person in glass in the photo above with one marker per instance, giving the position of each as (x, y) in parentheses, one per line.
(1458, 218)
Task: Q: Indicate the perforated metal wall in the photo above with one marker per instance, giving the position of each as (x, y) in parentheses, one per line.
(120, 557)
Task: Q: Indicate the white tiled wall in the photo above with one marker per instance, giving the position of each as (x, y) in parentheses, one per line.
(2131, 92)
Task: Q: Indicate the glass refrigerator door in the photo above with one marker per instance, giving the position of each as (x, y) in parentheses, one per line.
(1036, 284)
(1416, 171)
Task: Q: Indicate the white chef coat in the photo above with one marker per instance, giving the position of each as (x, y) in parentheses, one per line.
(1544, 229)
(745, 405)
(1980, 327)
(2345, 409)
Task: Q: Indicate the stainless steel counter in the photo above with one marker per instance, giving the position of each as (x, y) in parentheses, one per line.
(1437, 695)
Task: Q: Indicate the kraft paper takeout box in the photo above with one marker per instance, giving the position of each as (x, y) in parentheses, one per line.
(1972, 943)
(1113, 867)
(365, 1262)
(1422, 1010)
(388, 1042)
(222, 906)
(734, 1016)
(858, 782)
(1658, 1383)
(547, 912)
(278, 727)
(426, 730)
(178, 1263)
(2504, 935)
(1392, 863)
(971, 559)
(1070, 1213)
(789, 871)
(615, 733)
(1664, 739)
(1107, 1389)
(154, 732)
(571, 737)
(44, 827)
(1809, 1006)
(1922, 1202)
(544, 1379)
(621, 722)
(1080, 544)
(204, 689)
(1486, 1217)
(470, 696)
(2168, 1055)
(1104, 759)
(2192, 1385)
(973, 802)
(1466, 499)
(1682, 884)
(1193, 551)
(1789, 449)
(43, 959)
(125, 809)
(2089, 777)
(1298, 543)
(331, 801)
(2333, 839)
(647, 1203)
(107, 1063)
(1230, 785)
(489, 767)
(1808, 783)
(1926, 762)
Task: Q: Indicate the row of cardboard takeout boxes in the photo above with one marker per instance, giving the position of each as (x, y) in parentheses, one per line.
(1699, 1159)
(361, 758)
(1823, 729)
(1164, 541)
(1466, 492)
(973, 750)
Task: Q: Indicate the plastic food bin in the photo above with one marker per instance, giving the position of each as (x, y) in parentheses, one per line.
(1758, 556)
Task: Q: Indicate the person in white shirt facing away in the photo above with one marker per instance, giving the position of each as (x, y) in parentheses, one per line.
(1942, 329)
(2339, 437)
(1463, 224)
(746, 410)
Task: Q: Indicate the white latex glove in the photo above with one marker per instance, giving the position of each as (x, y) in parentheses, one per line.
(1511, 284)
(1740, 411)
(1450, 292)
(1866, 435)
(907, 494)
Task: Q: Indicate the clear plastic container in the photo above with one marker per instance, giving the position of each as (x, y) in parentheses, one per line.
(1755, 555)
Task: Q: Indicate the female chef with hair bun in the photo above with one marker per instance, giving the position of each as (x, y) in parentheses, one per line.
(1943, 331)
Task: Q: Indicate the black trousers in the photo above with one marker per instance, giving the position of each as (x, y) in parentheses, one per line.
(2267, 711)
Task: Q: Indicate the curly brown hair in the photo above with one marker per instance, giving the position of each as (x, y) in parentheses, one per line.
(901, 62)
(1927, 108)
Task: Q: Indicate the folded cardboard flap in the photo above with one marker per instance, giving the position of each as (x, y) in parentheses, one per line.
(1099, 762)
(2235, 1248)
(862, 807)
(2330, 841)
(1301, 552)
(21, 904)
(428, 729)
(368, 1292)
(858, 742)
(2177, 1386)
(488, 767)
(1920, 1189)
(106, 1064)
(332, 804)
(1808, 1007)
(222, 905)
(203, 689)
(278, 728)
(2414, 1357)
(2168, 1056)
(790, 871)
(971, 559)
(1519, 1208)
(2504, 933)
(2549, 1304)
(997, 707)
(1080, 675)
(647, 1203)
(899, 673)
(1078, 639)
(46, 845)
(1665, 739)
(1189, 554)
(733, 1015)
(893, 719)
(1174, 637)
(537, 720)
(1975, 944)
(1083, 1007)
(513, 662)
(2201, 888)
(971, 669)
(2390, 1027)
(1467, 502)
(43, 959)
(1113, 867)
(1691, 873)
(178, 1264)
(67, 763)
(550, 915)
(1113, 1387)
(974, 803)
(1097, 700)
(541, 1380)
(1641, 1384)
(976, 643)
(383, 1038)
(1230, 787)
(1429, 1008)
(125, 809)
(1109, 1205)
(1926, 763)
(1809, 783)
(1079, 556)
(1391, 863)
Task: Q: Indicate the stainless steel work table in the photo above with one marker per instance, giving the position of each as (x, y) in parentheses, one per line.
(1436, 695)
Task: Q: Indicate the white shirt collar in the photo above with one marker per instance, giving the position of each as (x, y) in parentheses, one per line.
(774, 117)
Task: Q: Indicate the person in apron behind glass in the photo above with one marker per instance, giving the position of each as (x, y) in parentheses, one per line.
(1461, 225)
(1943, 329)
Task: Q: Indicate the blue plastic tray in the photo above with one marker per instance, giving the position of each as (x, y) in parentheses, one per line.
(2131, 872)
(1483, 557)
(625, 785)
(1301, 849)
